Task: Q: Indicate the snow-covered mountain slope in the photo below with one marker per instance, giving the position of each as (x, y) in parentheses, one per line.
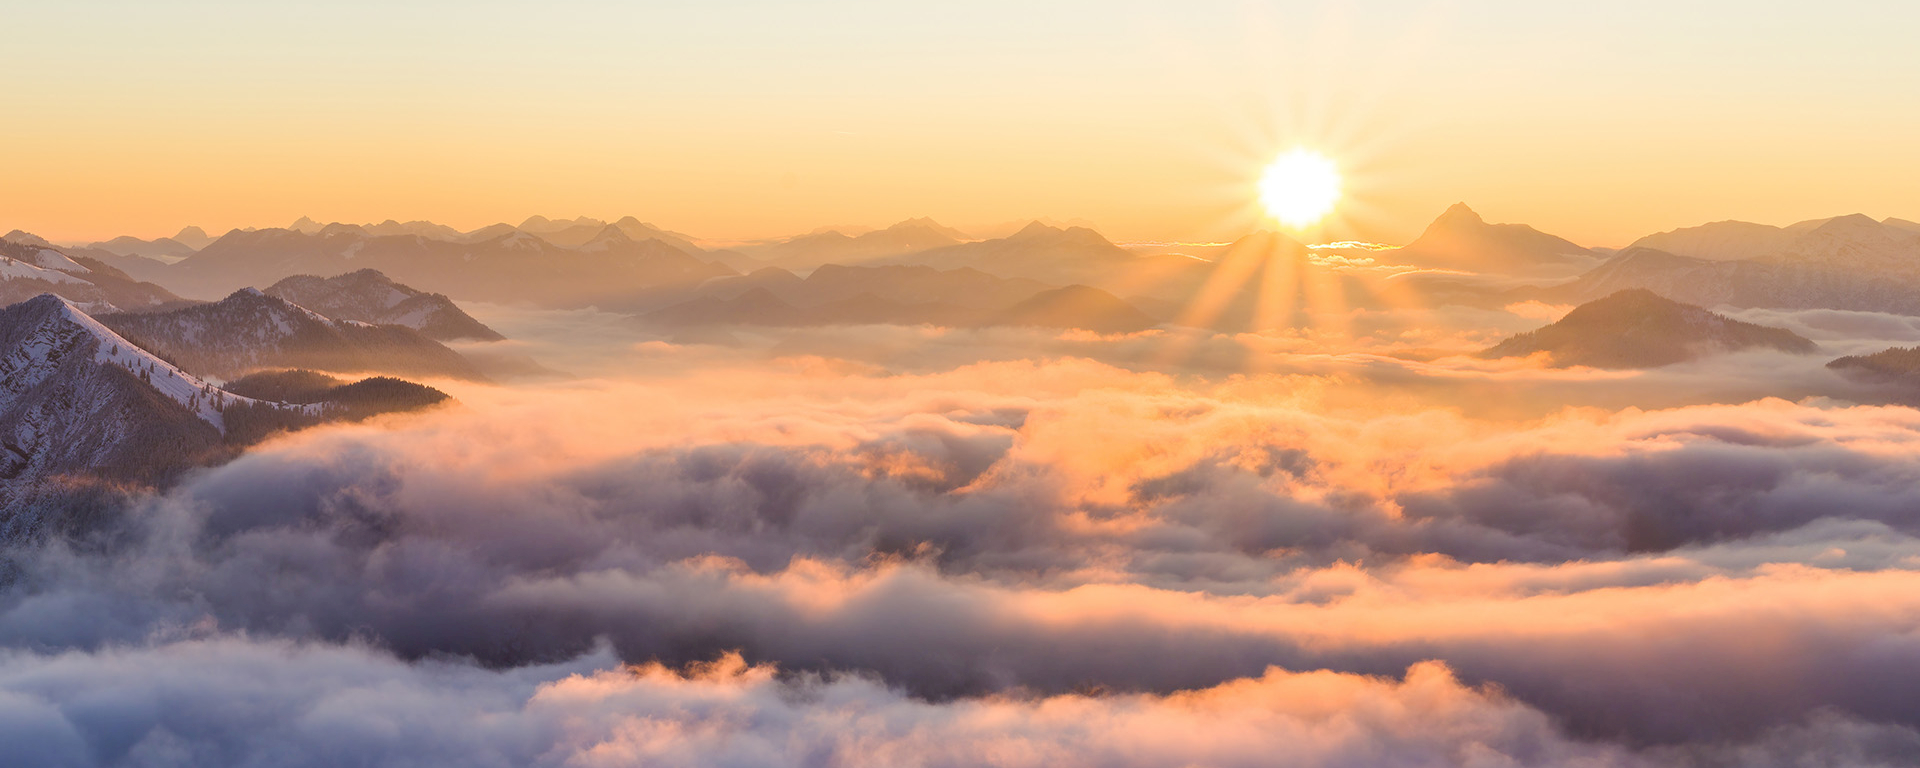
(81, 410)
(371, 297)
(29, 268)
(46, 332)
(250, 330)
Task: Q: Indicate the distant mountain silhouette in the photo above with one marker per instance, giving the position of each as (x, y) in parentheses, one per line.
(249, 331)
(910, 284)
(1640, 329)
(192, 237)
(160, 249)
(1816, 239)
(1070, 307)
(1719, 241)
(1846, 262)
(517, 266)
(1076, 306)
(1460, 240)
(831, 247)
(1046, 254)
(368, 296)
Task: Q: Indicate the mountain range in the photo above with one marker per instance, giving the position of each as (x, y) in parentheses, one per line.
(815, 249)
(1074, 306)
(610, 269)
(1848, 262)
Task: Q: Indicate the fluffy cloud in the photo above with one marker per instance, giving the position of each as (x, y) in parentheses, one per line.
(232, 701)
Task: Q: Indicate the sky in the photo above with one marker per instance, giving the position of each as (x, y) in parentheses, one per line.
(1152, 120)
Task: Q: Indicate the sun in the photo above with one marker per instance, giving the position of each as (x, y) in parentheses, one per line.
(1300, 188)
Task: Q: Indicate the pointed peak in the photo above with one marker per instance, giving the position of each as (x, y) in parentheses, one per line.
(612, 232)
(1035, 229)
(1460, 213)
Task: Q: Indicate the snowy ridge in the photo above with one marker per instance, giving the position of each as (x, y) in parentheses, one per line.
(196, 395)
(15, 269)
(55, 260)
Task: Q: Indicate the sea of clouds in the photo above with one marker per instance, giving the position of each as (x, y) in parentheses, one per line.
(897, 546)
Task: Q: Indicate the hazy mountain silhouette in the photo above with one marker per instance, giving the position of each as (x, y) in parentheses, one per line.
(517, 266)
(832, 247)
(165, 249)
(904, 283)
(1846, 262)
(1460, 240)
(835, 304)
(368, 296)
(250, 330)
(1037, 251)
(192, 237)
(1840, 237)
(1076, 306)
(1640, 329)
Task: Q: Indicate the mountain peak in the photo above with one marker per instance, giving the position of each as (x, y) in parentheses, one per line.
(28, 238)
(1035, 229)
(1852, 222)
(1459, 213)
(609, 236)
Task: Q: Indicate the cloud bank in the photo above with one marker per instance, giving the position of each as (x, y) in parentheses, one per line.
(816, 560)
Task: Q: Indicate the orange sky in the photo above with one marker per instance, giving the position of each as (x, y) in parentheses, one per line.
(1151, 120)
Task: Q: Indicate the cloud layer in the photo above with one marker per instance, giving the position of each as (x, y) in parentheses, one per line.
(1019, 561)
